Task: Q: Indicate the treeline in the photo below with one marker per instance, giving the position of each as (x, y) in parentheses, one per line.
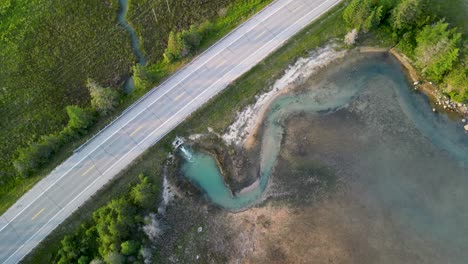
(185, 42)
(122, 231)
(48, 49)
(434, 45)
(153, 20)
(34, 156)
(187, 37)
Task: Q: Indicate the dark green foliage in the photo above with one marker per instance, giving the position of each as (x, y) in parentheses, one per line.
(363, 14)
(48, 50)
(144, 194)
(113, 232)
(182, 44)
(114, 223)
(78, 247)
(407, 14)
(130, 247)
(457, 83)
(437, 49)
(154, 20)
(141, 78)
(33, 157)
(79, 118)
(103, 100)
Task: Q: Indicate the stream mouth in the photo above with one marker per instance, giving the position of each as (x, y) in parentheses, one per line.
(336, 89)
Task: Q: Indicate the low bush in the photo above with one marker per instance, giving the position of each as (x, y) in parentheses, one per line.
(36, 155)
(111, 234)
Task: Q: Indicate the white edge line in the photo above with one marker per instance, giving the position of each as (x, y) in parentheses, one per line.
(137, 115)
(163, 124)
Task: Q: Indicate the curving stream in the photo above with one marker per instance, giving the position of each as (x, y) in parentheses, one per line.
(339, 87)
(134, 41)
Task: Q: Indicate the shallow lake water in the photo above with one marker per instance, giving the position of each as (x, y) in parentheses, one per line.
(404, 167)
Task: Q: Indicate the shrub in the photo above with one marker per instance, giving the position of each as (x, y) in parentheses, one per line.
(130, 247)
(103, 99)
(183, 43)
(144, 194)
(363, 14)
(79, 118)
(33, 157)
(457, 84)
(437, 49)
(140, 77)
(406, 14)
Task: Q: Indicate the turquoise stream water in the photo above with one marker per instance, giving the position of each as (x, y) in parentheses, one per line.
(134, 41)
(340, 87)
(397, 171)
(347, 82)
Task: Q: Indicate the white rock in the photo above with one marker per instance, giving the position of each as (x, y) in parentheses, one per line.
(466, 127)
(416, 83)
(200, 229)
(464, 120)
(433, 109)
(198, 256)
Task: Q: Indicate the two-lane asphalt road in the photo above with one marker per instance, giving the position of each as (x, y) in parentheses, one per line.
(54, 198)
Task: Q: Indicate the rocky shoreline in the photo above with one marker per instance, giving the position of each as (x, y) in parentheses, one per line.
(441, 102)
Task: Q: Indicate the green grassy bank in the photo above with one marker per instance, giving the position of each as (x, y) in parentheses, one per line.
(217, 113)
(47, 58)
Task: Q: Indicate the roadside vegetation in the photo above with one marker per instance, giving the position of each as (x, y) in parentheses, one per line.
(420, 30)
(217, 114)
(72, 57)
(48, 50)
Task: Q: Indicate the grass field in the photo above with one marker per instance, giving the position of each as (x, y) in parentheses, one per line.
(35, 96)
(218, 113)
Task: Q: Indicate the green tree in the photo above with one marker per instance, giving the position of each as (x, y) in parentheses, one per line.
(32, 157)
(174, 47)
(373, 20)
(406, 14)
(115, 258)
(457, 83)
(114, 223)
(363, 14)
(140, 77)
(144, 194)
(79, 118)
(181, 44)
(69, 251)
(130, 247)
(84, 260)
(103, 99)
(437, 49)
(191, 39)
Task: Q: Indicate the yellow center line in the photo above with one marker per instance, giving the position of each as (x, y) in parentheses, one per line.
(136, 130)
(37, 214)
(179, 96)
(88, 170)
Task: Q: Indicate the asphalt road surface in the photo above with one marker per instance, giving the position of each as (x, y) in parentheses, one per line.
(58, 195)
